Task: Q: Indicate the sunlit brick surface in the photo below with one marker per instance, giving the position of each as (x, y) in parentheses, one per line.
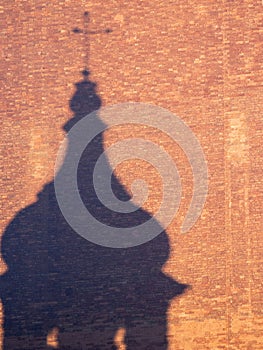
(202, 60)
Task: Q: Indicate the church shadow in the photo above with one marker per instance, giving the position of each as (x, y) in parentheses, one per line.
(57, 280)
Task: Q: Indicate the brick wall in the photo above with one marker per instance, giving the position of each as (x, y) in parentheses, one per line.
(199, 59)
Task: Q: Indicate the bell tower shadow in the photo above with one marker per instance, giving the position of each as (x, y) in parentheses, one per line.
(56, 279)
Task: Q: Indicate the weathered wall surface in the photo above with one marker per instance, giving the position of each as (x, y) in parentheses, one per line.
(202, 61)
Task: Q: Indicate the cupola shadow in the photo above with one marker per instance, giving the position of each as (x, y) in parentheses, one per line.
(56, 278)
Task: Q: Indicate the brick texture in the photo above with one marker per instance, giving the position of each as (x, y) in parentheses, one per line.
(202, 61)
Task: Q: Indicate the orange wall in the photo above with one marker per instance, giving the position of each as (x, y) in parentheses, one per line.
(199, 59)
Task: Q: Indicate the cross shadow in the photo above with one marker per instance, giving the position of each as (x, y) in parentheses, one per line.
(56, 278)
